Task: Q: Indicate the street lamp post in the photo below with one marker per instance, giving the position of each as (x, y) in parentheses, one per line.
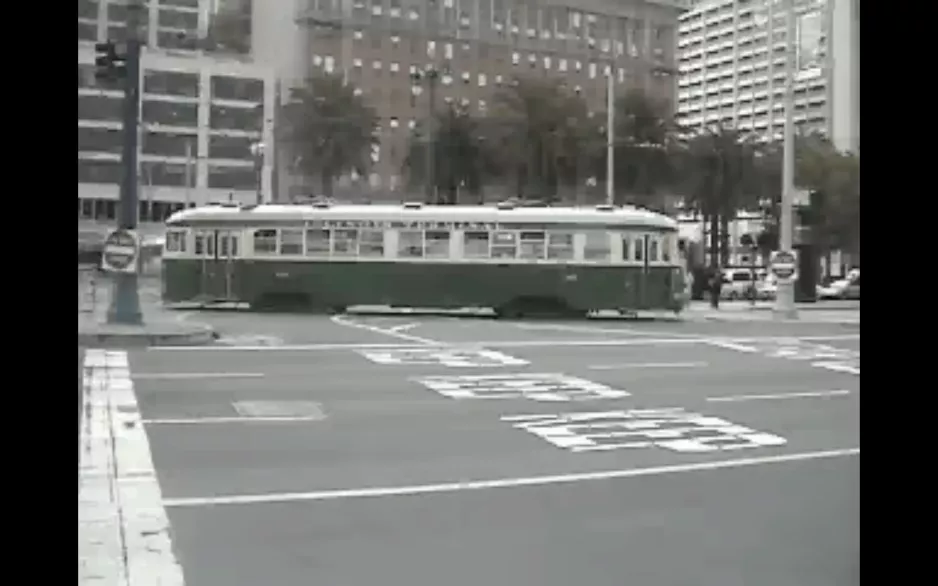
(257, 150)
(785, 296)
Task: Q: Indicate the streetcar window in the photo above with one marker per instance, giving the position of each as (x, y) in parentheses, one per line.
(223, 246)
(210, 245)
(317, 242)
(652, 250)
(234, 245)
(532, 245)
(560, 245)
(475, 245)
(371, 243)
(345, 243)
(638, 251)
(291, 241)
(436, 244)
(199, 245)
(175, 242)
(504, 245)
(626, 241)
(666, 249)
(265, 241)
(596, 246)
(410, 244)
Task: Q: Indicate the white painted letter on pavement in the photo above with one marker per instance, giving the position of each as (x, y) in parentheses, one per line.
(455, 358)
(553, 387)
(671, 429)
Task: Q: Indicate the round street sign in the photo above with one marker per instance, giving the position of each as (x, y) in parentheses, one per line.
(120, 251)
(784, 264)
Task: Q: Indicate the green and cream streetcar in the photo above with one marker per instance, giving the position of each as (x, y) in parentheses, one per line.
(516, 260)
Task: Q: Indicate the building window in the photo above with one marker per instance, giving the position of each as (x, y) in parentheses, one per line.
(232, 177)
(170, 113)
(166, 174)
(99, 171)
(237, 88)
(100, 140)
(232, 118)
(101, 108)
(230, 147)
(168, 144)
(171, 83)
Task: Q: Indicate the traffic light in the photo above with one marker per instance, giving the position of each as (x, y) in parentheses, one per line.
(108, 64)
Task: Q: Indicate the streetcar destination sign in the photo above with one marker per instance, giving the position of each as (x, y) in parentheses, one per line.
(121, 248)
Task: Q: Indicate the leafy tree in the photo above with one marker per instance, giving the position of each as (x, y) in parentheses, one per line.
(645, 141)
(462, 158)
(541, 133)
(328, 129)
(720, 174)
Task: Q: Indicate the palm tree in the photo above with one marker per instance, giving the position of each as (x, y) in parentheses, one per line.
(328, 129)
(721, 176)
(462, 159)
(540, 129)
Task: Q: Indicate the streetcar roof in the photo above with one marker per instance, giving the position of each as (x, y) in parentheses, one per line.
(624, 216)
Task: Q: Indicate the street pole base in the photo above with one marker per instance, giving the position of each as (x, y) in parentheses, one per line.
(125, 302)
(785, 302)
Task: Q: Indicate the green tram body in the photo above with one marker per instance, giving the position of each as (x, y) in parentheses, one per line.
(515, 260)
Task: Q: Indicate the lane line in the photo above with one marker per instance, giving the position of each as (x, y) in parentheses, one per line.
(804, 395)
(124, 535)
(217, 420)
(484, 343)
(838, 367)
(735, 346)
(649, 365)
(598, 330)
(194, 375)
(404, 327)
(451, 487)
(339, 320)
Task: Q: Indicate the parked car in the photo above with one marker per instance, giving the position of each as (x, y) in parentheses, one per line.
(739, 283)
(848, 288)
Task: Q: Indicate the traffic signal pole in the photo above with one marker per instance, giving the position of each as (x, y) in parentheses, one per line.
(125, 299)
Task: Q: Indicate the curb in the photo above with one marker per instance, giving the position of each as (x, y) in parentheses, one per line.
(105, 336)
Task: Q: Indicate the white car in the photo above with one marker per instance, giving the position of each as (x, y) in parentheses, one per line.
(848, 288)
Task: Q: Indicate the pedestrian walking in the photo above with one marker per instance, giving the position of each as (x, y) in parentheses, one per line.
(716, 284)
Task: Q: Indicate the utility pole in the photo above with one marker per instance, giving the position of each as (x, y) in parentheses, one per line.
(431, 76)
(125, 301)
(785, 296)
(611, 135)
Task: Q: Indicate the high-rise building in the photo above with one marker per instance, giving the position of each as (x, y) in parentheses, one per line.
(204, 114)
(475, 45)
(732, 57)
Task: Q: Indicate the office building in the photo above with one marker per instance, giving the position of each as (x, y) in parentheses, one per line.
(732, 56)
(205, 115)
(475, 45)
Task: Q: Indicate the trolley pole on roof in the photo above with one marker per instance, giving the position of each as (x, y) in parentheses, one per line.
(125, 300)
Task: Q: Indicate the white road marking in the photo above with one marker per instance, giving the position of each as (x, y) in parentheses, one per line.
(194, 375)
(598, 330)
(124, 533)
(403, 328)
(838, 367)
(550, 387)
(217, 420)
(484, 344)
(739, 398)
(450, 357)
(732, 346)
(649, 365)
(450, 487)
(339, 320)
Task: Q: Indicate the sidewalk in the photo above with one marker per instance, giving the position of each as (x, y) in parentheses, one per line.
(833, 312)
(160, 328)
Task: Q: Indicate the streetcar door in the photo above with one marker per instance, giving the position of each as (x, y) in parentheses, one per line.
(219, 249)
(645, 289)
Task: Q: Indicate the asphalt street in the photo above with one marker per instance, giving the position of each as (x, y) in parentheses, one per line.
(430, 450)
